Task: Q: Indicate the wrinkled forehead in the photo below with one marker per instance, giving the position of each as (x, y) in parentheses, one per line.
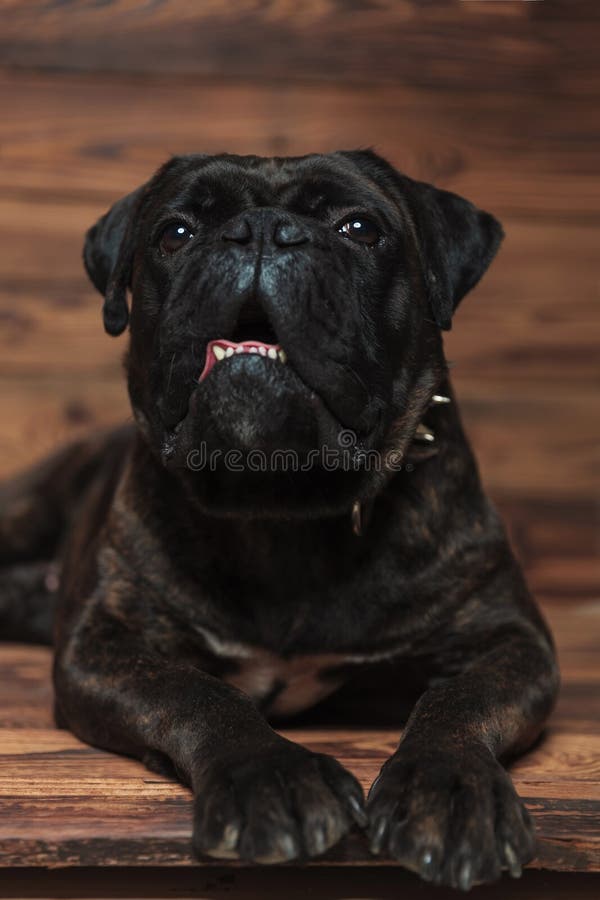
(303, 184)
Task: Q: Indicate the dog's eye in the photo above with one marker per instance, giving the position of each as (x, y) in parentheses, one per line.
(174, 237)
(363, 231)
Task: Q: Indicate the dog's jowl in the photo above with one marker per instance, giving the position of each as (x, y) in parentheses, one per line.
(294, 514)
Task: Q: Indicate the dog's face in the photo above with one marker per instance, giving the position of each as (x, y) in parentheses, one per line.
(284, 305)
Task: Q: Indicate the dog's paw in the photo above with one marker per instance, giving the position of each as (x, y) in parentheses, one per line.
(455, 820)
(276, 805)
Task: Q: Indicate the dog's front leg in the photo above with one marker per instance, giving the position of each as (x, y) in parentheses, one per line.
(443, 805)
(258, 796)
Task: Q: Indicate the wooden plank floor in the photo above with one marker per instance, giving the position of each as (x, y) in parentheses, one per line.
(63, 803)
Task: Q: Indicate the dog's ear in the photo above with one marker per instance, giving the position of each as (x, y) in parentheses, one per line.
(456, 241)
(108, 258)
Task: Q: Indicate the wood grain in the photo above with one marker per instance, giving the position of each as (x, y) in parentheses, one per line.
(72, 138)
(539, 46)
(64, 803)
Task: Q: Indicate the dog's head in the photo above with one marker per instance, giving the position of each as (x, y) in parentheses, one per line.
(284, 305)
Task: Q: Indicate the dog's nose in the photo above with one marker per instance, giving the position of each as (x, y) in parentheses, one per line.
(238, 231)
(288, 234)
(264, 228)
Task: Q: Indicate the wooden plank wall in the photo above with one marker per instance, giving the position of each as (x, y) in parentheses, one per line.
(495, 100)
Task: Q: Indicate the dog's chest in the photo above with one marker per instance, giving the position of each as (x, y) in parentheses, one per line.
(281, 686)
(286, 686)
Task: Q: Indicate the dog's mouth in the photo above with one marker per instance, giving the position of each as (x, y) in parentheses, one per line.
(253, 334)
(252, 391)
(221, 350)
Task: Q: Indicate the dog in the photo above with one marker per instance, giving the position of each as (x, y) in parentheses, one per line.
(289, 307)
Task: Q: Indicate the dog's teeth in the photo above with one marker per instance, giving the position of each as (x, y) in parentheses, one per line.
(272, 352)
(439, 398)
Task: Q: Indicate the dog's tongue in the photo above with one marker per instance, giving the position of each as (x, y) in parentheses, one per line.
(217, 351)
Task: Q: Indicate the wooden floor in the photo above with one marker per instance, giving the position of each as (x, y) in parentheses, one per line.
(498, 101)
(63, 803)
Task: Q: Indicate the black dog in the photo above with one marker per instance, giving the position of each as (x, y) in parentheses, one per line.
(289, 310)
